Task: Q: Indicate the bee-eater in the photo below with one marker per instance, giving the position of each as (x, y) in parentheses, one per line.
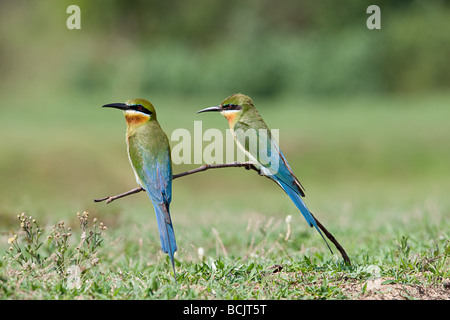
(149, 155)
(246, 124)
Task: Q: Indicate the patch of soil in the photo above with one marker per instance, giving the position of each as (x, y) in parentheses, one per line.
(376, 290)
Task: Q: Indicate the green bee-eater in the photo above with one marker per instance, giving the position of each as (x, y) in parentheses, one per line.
(149, 155)
(254, 138)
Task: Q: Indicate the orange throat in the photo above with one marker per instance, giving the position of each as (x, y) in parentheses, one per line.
(135, 119)
(231, 116)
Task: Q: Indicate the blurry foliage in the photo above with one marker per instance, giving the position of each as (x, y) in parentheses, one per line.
(260, 47)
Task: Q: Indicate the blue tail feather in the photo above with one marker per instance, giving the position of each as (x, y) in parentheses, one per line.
(300, 204)
(166, 233)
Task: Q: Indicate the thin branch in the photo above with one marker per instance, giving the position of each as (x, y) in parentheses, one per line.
(110, 199)
(247, 166)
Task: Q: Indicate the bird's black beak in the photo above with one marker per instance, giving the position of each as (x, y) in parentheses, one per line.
(215, 108)
(121, 106)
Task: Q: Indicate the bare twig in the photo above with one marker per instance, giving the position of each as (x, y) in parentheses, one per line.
(247, 166)
(110, 199)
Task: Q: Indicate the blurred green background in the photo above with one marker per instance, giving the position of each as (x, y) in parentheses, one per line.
(363, 114)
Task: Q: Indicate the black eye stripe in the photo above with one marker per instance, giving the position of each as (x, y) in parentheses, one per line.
(231, 106)
(140, 108)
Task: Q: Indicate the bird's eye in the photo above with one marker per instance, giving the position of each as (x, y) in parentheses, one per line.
(141, 108)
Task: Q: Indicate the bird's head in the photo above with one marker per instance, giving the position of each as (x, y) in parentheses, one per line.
(232, 107)
(136, 111)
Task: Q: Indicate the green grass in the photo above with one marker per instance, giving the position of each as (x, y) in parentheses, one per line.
(375, 171)
(131, 268)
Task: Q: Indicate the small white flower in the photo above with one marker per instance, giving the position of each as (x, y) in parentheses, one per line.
(201, 253)
(288, 219)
